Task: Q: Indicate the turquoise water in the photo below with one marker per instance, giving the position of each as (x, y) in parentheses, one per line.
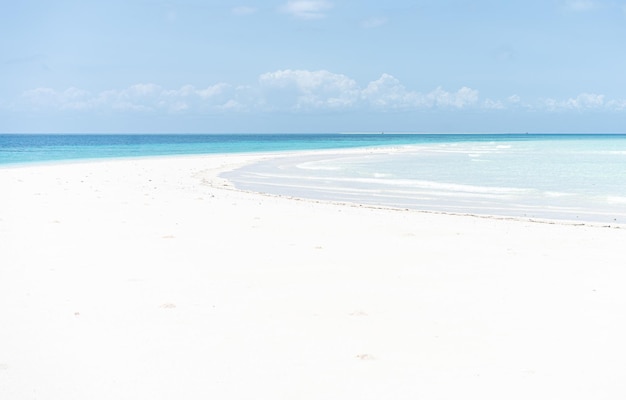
(570, 177)
(29, 148)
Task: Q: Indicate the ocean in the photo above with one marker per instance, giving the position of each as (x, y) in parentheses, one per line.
(580, 178)
(33, 148)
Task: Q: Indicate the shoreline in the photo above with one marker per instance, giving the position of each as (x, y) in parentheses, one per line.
(366, 203)
(152, 279)
(226, 164)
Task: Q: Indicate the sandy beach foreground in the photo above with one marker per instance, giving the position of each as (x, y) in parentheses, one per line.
(153, 279)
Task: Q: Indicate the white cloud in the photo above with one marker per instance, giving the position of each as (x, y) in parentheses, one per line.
(142, 90)
(307, 9)
(244, 10)
(41, 97)
(206, 93)
(583, 101)
(493, 104)
(309, 89)
(514, 99)
(286, 90)
(142, 97)
(587, 100)
(617, 105)
(388, 93)
(294, 91)
(231, 105)
(460, 99)
(69, 99)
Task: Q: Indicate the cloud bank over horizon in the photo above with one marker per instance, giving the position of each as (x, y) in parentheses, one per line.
(294, 91)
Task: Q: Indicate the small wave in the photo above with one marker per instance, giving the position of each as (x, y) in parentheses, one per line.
(557, 194)
(317, 166)
(605, 152)
(616, 200)
(409, 183)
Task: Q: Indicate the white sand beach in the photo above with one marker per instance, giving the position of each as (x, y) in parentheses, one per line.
(154, 279)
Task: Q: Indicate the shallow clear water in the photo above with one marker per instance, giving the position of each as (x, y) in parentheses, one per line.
(572, 177)
(577, 178)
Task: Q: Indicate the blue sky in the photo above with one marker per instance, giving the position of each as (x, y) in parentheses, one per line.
(313, 66)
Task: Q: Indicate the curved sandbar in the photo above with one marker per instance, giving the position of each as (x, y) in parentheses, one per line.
(152, 279)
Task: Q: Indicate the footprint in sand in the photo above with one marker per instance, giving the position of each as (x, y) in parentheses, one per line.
(168, 305)
(365, 357)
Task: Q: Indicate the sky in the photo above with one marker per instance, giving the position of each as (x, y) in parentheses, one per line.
(425, 66)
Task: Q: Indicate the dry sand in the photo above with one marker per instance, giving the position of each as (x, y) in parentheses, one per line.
(151, 279)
